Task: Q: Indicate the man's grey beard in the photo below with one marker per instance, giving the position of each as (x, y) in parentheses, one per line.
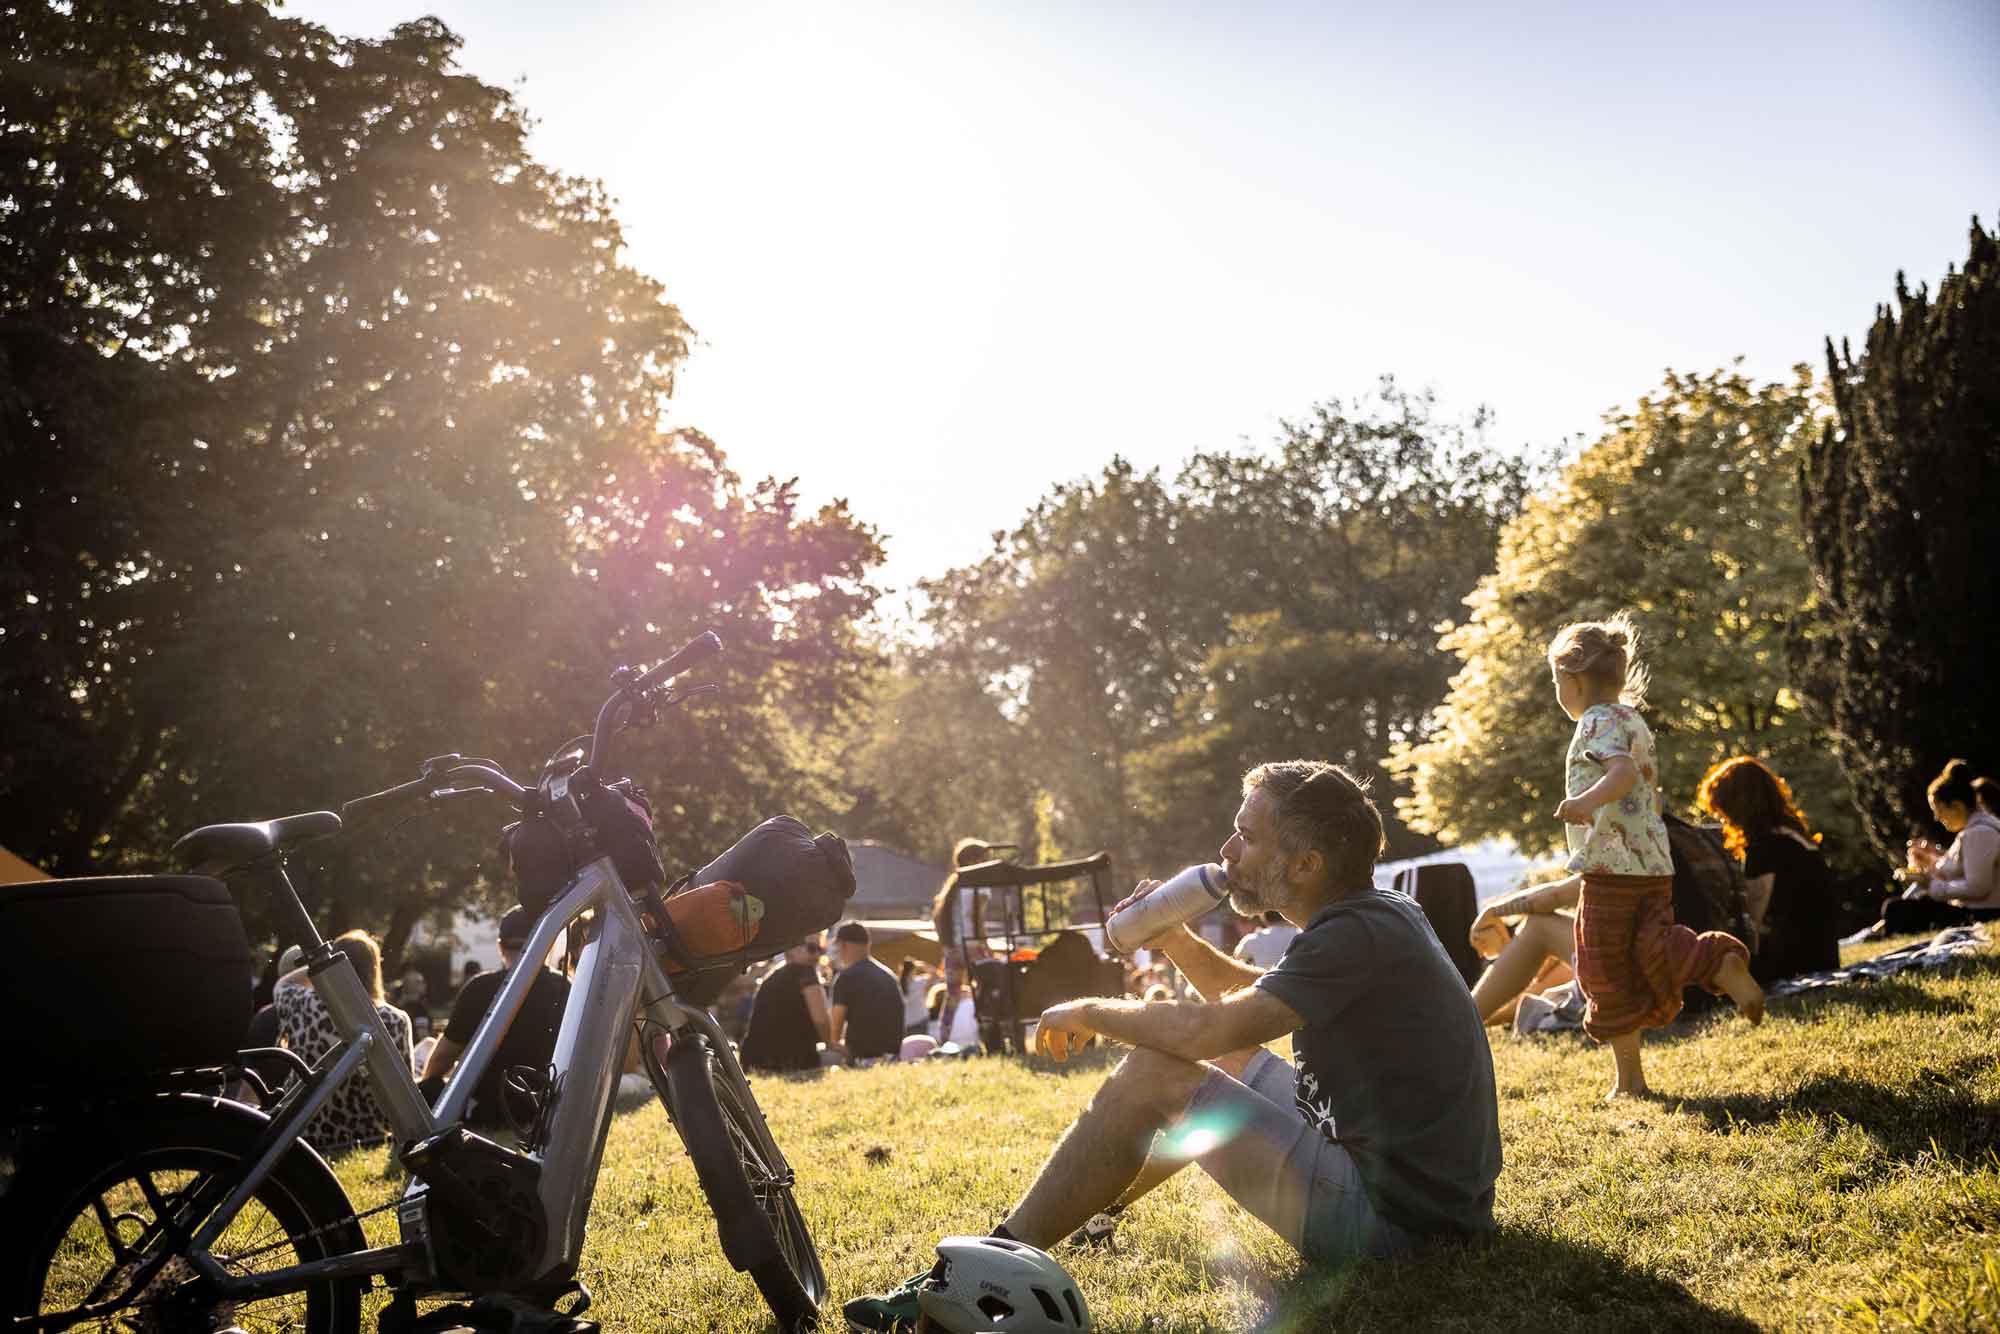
(1254, 898)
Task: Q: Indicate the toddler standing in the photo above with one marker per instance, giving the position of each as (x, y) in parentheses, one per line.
(1632, 959)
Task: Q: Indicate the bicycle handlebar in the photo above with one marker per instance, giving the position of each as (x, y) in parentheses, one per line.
(618, 710)
(696, 651)
(481, 773)
(362, 807)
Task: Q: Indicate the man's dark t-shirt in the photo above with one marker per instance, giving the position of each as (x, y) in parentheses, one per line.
(530, 1040)
(1799, 935)
(874, 1009)
(1393, 1062)
(781, 1035)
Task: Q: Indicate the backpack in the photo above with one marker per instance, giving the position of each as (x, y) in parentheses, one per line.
(1708, 881)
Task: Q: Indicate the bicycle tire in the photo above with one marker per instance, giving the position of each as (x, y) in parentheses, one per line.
(758, 1219)
(74, 1173)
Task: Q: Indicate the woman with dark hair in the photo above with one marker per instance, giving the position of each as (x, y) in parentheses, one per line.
(1787, 881)
(351, 1116)
(1961, 884)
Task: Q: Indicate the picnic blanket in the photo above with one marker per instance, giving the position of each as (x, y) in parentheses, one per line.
(1560, 1009)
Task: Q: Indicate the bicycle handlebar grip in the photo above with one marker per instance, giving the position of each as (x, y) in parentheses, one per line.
(696, 651)
(362, 807)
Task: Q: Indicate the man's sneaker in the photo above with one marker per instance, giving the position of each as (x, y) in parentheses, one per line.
(895, 1309)
(1101, 1230)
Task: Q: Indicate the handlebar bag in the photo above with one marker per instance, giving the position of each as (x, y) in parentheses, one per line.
(115, 976)
(801, 884)
(544, 859)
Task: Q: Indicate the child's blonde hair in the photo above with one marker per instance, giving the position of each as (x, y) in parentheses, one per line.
(1604, 653)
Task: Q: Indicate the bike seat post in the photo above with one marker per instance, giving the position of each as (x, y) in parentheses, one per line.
(294, 922)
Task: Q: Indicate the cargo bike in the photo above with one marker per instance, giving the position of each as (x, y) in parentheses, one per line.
(1046, 953)
(141, 1198)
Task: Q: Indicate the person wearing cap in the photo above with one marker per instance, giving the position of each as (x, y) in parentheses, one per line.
(530, 1039)
(867, 1013)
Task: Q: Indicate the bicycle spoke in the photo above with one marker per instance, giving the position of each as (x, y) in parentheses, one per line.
(109, 1226)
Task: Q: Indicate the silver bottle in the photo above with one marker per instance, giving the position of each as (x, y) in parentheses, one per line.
(1189, 893)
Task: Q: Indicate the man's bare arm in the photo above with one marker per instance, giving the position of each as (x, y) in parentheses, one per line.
(1192, 1030)
(836, 1024)
(444, 1055)
(1212, 973)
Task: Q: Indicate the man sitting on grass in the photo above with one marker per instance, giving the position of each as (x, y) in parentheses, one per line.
(1384, 1134)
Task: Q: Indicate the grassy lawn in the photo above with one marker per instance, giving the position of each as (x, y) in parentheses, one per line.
(1833, 1169)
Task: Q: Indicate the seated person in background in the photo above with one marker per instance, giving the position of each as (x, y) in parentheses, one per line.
(351, 1116)
(1961, 884)
(788, 1019)
(914, 983)
(961, 1026)
(1533, 956)
(530, 1039)
(865, 1021)
(1789, 885)
(1266, 945)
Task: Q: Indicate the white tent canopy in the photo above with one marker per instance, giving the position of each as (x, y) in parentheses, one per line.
(1497, 866)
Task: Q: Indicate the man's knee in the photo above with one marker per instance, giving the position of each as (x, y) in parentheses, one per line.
(1153, 1083)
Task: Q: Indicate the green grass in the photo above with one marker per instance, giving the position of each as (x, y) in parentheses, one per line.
(1833, 1169)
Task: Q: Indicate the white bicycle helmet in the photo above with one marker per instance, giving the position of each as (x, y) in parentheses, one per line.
(990, 1283)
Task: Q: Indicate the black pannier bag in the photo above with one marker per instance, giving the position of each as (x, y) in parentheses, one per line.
(802, 883)
(777, 885)
(117, 976)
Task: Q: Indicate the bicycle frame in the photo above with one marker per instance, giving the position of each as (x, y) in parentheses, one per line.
(617, 980)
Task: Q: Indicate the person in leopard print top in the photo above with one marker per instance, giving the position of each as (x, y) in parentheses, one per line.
(351, 1116)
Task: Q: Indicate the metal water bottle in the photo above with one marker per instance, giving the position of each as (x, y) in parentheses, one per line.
(1188, 894)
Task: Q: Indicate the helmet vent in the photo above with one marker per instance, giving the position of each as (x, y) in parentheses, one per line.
(1049, 1307)
(996, 1310)
(1075, 1310)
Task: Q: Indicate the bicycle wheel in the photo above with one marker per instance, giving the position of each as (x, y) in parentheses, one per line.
(87, 1208)
(748, 1185)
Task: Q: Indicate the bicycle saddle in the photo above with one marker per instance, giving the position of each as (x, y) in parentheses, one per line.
(213, 849)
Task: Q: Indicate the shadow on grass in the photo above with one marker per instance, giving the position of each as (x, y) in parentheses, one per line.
(1524, 1280)
(1888, 995)
(1937, 1107)
(1863, 996)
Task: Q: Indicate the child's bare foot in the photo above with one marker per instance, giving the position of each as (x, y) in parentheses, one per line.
(1620, 1092)
(1734, 977)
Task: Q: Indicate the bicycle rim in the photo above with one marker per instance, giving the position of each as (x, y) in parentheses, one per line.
(744, 1186)
(98, 1233)
(773, 1193)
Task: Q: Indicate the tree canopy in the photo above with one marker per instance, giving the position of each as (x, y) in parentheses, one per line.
(336, 432)
(1143, 642)
(1900, 494)
(1685, 511)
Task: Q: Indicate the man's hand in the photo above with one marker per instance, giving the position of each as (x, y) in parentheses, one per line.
(1144, 888)
(1064, 1029)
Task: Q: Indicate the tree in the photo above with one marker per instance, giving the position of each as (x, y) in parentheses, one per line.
(1685, 512)
(1152, 640)
(1899, 495)
(339, 424)
(934, 759)
(1349, 543)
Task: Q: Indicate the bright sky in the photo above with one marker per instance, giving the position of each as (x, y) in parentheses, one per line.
(943, 255)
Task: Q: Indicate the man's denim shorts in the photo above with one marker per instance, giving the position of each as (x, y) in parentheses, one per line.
(1248, 1134)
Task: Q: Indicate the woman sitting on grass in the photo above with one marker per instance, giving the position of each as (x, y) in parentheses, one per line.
(1790, 887)
(1961, 884)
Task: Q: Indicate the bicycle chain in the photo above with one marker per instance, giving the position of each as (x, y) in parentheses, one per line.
(294, 1240)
